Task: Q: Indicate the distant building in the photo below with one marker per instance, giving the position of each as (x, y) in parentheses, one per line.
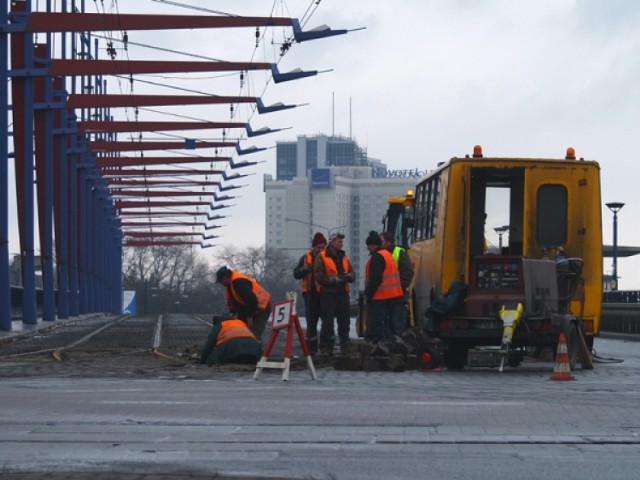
(328, 184)
(307, 153)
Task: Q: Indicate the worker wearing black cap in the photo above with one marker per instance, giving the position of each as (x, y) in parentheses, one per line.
(381, 288)
(246, 298)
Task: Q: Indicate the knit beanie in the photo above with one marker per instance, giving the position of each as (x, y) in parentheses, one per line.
(373, 238)
(318, 239)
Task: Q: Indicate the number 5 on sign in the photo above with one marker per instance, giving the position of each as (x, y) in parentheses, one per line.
(281, 315)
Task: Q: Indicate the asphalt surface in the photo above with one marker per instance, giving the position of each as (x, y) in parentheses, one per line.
(104, 397)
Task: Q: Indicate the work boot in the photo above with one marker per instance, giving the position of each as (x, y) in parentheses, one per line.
(347, 348)
(381, 350)
(326, 352)
(312, 342)
(396, 363)
(396, 345)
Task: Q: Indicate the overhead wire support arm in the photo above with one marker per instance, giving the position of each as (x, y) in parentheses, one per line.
(59, 22)
(54, 22)
(146, 161)
(119, 100)
(262, 108)
(133, 172)
(107, 146)
(67, 67)
(96, 126)
(322, 31)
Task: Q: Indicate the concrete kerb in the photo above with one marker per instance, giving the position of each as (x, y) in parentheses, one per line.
(631, 337)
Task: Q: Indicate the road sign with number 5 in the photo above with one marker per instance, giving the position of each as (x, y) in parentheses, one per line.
(281, 315)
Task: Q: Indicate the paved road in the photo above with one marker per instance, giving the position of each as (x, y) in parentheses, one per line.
(72, 417)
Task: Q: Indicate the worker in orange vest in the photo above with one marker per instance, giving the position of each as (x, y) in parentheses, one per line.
(382, 289)
(304, 272)
(246, 298)
(333, 275)
(230, 341)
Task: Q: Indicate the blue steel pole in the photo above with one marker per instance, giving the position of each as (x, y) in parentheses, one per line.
(83, 241)
(74, 297)
(117, 267)
(5, 284)
(62, 222)
(91, 242)
(49, 307)
(98, 249)
(29, 312)
(49, 301)
(74, 181)
(89, 235)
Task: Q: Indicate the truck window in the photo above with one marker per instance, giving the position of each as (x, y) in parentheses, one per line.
(552, 215)
(426, 208)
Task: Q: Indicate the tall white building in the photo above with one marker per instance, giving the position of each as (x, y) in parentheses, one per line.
(316, 195)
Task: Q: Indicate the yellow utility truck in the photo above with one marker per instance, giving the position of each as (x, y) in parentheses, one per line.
(490, 302)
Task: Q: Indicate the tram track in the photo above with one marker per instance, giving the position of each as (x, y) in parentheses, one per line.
(112, 346)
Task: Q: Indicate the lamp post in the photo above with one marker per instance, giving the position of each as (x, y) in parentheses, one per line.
(501, 231)
(615, 207)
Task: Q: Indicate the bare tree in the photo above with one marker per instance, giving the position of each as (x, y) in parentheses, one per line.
(166, 277)
(177, 278)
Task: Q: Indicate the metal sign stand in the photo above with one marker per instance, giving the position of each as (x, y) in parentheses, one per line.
(284, 316)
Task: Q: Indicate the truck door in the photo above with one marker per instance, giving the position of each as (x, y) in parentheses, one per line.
(496, 211)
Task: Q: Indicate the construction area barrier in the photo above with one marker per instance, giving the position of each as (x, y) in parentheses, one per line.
(284, 317)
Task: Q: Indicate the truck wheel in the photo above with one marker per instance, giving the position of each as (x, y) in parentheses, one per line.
(428, 358)
(455, 357)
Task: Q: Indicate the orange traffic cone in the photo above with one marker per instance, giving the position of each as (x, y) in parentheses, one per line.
(562, 368)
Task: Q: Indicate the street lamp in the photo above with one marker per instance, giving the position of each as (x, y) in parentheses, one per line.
(615, 207)
(501, 231)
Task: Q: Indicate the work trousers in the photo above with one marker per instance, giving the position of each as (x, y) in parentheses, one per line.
(398, 317)
(259, 323)
(334, 305)
(312, 314)
(378, 313)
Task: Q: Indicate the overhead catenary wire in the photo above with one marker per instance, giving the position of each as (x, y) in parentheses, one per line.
(126, 82)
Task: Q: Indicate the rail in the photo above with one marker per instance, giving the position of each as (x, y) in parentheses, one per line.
(621, 296)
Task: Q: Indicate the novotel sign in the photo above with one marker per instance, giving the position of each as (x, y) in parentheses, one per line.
(408, 173)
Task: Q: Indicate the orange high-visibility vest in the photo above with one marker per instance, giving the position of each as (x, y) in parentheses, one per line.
(331, 269)
(234, 328)
(307, 281)
(390, 286)
(261, 294)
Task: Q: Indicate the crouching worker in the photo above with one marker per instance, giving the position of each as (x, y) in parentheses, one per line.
(230, 341)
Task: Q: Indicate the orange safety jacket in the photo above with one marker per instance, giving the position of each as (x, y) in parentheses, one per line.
(307, 281)
(390, 286)
(230, 329)
(331, 269)
(261, 294)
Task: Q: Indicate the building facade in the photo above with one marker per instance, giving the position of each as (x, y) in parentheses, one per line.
(328, 184)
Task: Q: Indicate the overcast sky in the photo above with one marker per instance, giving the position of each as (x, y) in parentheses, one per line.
(428, 80)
